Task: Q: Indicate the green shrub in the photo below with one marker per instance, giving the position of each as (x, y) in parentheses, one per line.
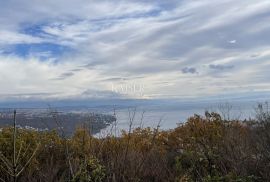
(90, 170)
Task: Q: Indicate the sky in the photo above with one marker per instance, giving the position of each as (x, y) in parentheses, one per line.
(80, 49)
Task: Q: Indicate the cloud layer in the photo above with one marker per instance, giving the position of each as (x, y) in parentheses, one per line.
(172, 48)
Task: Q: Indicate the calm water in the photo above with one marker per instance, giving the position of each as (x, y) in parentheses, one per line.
(169, 117)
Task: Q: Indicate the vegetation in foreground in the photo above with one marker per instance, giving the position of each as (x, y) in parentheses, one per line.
(205, 148)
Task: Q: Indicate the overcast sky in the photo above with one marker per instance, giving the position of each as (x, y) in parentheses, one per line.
(163, 49)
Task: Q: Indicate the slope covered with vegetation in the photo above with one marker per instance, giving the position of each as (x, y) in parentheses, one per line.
(205, 148)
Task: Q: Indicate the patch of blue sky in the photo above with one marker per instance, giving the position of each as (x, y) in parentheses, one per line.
(43, 51)
(35, 30)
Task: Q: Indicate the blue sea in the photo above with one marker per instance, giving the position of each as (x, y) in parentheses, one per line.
(170, 116)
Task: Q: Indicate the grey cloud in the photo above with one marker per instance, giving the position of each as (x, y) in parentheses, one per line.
(115, 79)
(64, 76)
(189, 70)
(220, 66)
(124, 78)
(254, 55)
(76, 70)
(68, 74)
(93, 64)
